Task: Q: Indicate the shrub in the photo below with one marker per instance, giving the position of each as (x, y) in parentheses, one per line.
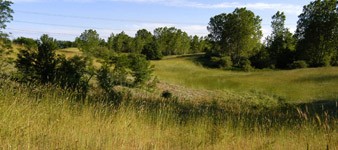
(167, 94)
(299, 64)
(225, 62)
(71, 73)
(152, 52)
(245, 64)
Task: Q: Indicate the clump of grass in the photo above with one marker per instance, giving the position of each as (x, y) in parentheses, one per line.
(45, 117)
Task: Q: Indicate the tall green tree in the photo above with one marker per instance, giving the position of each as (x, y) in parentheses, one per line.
(237, 34)
(88, 41)
(317, 32)
(142, 38)
(281, 43)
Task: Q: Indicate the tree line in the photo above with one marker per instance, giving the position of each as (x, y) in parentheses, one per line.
(235, 39)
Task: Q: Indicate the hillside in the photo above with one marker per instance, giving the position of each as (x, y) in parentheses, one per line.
(301, 85)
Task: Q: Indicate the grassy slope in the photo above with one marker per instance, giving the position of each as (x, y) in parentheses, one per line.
(51, 121)
(303, 85)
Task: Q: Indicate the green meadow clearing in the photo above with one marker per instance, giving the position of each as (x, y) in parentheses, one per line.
(210, 109)
(301, 85)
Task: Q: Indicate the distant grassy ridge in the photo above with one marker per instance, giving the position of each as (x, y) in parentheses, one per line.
(301, 85)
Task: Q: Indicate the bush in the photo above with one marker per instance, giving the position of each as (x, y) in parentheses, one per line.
(245, 64)
(299, 64)
(151, 51)
(167, 94)
(225, 62)
(70, 74)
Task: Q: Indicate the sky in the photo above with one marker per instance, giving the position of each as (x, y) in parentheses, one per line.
(67, 19)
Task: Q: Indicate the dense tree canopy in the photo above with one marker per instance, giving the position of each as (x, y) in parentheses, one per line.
(317, 32)
(142, 38)
(122, 43)
(280, 44)
(172, 41)
(237, 34)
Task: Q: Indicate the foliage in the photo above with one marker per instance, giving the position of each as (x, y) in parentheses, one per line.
(122, 43)
(70, 73)
(26, 42)
(107, 80)
(142, 38)
(299, 64)
(39, 65)
(6, 13)
(198, 44)
(172, 41)
(281, 43)
(88, 41)
(5, 44)
(140, 69)
(151, 51)
(261, 59)
(317, 32)
(237, 34)
(245, 64)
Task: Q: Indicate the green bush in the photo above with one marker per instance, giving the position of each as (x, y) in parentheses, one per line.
(225, 62)
(299, 64)
(245, 64)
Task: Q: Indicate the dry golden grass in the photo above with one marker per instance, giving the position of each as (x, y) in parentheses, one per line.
(53, 120)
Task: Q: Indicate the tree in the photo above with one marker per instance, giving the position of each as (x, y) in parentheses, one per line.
(237, 34)
(5, 13)
(142, 38)
(122, 43)
(172, 41)
(280, 44)
(39, 65)
(71, 73)
(5, 45)
(317, 31)
(141, 69)
(88, 41)
(26, 42)
(151, 51)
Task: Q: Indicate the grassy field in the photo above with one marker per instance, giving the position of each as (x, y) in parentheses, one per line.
(211, 109)
(301, 85)
(48, 118)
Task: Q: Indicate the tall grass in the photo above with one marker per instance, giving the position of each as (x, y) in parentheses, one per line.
(49, 118)
(301, 85)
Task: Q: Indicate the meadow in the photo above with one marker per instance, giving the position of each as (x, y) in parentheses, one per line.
(294, 86)
(210, 109)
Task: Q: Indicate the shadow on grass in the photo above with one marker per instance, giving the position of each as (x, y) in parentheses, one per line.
(320, 78)
(321, 107)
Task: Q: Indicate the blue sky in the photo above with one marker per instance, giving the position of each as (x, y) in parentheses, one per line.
(67, 19)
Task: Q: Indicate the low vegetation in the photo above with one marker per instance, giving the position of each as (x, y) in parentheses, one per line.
(47, 117)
